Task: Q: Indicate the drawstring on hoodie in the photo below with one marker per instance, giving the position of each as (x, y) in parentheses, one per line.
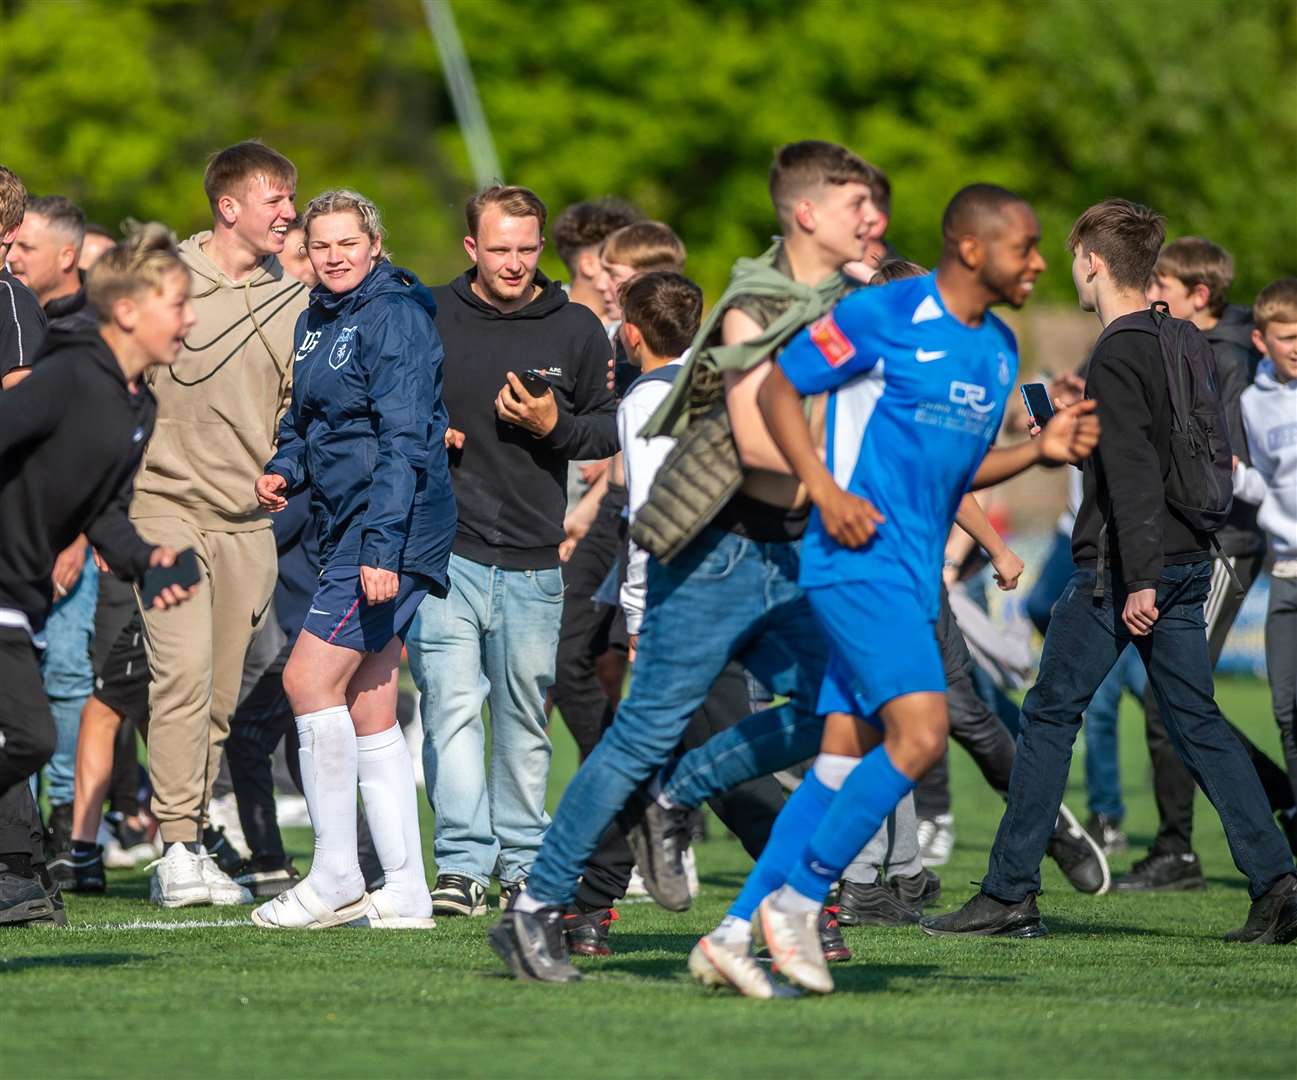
(284, 297)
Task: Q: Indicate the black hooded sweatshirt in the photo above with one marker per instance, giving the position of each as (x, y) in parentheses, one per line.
(510, 485)
(71, 438)
(1236, 361)
(1124, 481)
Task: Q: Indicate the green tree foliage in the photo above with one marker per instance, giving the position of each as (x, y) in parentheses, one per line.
(677, 105)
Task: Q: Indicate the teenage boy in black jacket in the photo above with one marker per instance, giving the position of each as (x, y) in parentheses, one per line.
(1155, 584)
(1193, 277)
(495, 635)
(71, 439)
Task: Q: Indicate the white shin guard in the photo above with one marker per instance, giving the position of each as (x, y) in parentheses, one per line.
(392, 810)
(328, 760)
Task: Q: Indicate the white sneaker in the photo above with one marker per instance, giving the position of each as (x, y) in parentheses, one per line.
(936, 839)
(635, 887)
(691, 872)
(178, 879)
(223, 813)
(794, 943)
(223, 888)
(115, 856)
(714, 963)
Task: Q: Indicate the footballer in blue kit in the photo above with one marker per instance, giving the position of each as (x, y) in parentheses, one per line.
(916, 399)
(918, 372)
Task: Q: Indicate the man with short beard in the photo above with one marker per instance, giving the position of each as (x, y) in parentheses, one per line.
(218, 412)
(494, 636)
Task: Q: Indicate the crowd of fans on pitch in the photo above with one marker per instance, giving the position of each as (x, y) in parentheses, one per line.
(243, 475)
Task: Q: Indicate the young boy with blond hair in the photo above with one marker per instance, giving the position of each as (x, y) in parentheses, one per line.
(1270, 482)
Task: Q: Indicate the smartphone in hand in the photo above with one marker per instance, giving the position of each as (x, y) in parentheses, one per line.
(1036, 397)
(536, 383)
(184, 572)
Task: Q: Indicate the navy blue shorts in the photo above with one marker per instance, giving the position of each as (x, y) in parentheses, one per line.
(882, 646)
(339, 615)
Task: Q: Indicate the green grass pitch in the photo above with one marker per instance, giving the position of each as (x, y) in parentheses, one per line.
(1125, 986)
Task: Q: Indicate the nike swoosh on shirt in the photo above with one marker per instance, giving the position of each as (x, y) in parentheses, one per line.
(317, 611)
(925, 357)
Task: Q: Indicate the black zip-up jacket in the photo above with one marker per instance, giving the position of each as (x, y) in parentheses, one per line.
(71, 314)
(71, 437)
(1236, 361)
(510, 486)
(1124, 481)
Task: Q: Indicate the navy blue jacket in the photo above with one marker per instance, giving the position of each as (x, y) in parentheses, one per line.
(366, 429)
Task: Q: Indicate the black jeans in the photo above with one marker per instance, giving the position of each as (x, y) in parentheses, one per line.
(1173, 787)
(972, 724)
(588, 629)
(1084, 640)
(262, 719)
(26, 742)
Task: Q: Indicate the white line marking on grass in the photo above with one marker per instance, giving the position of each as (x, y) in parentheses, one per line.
(163, 924)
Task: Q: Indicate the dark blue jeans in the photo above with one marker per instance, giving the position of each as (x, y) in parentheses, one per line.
(1084, 640)
(724, 598)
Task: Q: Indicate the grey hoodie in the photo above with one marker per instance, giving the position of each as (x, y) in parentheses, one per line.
(219, 405)
(1270, 415)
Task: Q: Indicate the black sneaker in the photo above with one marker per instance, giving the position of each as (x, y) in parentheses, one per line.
(1272, 918)
(267, 876)
(659, 843)
(873, 905)
(228, 859)
(58, 832)
(832, 943)
(1163, 871)
(22, 899)
(985, 916)
(1106, 832)
(1078, 855)
(79, 870)
(58, 916)
(456, 894)
(532, 945)
(587, 931)
(510, 889)
(916, 891)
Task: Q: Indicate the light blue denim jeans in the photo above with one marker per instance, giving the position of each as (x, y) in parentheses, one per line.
(69, 676)
(723, 598)
(492, 639)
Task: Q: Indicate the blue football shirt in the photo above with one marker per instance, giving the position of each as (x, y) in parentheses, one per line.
(916, 400)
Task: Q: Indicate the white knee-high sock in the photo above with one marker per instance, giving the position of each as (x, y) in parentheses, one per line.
(328, 759)
(392, 809)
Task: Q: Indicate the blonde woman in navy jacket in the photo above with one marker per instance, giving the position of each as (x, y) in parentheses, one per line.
(366, 435)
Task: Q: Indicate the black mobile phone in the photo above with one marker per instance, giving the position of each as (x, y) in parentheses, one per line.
(1035, 396)
(536, 383)
(183, 572)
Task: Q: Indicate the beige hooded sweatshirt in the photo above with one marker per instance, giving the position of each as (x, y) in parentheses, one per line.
(219, 405)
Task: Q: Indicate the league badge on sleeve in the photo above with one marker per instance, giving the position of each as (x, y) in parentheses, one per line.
(833, 344)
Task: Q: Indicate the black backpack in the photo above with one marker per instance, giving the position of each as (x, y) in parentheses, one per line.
(1199, 487)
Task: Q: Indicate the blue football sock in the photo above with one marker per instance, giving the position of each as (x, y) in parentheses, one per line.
(793, 827)
(870, 793)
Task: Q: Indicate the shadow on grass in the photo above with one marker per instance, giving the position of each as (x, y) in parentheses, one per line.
(1062, 925)
(16, 964)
